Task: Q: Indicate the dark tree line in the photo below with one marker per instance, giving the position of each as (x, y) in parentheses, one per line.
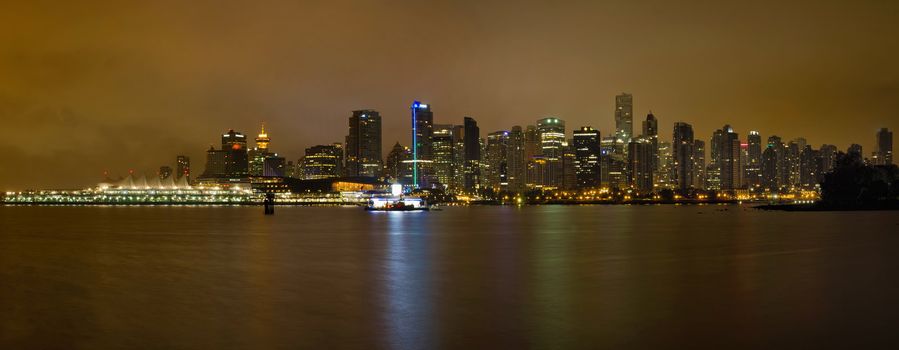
(852, 184)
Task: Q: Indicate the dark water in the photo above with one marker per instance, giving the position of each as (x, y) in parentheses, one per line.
(478, 278)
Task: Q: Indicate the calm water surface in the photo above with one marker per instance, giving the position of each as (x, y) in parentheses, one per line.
(544, 277)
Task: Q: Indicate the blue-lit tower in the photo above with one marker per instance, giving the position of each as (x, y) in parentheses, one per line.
(422, 129)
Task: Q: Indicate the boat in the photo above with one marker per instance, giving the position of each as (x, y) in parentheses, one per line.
(400, 203)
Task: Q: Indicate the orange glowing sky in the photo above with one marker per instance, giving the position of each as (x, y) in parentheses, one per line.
(88, 86)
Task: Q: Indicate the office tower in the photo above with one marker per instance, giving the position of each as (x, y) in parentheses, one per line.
(516, 162)
(552, 136)
(828, 157)
(663, 179)
(587, 150)
(743, 160)
(536, 172)
(651, 134)
(322, 162)
(682, 151)
(422, 156)
(165, 172)
(884, 154)
(624, 117)
(855, 148)
(472, 159)
(399, 164)
(699, 168)
(215, 163)
(274, 165)
(258, 154)
(808, 168)
(639, 166)
(363, 144)
(182, 164)
(442, 143)
(569, 166)
(753, 172)
(235, 146)
(495, 175)
(613, 163)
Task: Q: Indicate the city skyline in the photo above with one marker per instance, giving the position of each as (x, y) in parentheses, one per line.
(88, 91)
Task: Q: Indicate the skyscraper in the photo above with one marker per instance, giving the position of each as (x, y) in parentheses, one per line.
(884, 154)
(422, 155)
(651, 135)
(587, 148)
(809, 162)
(235, 146)
(399, 164)
(182, 164)
(613, 163)
(682, 152)
(442, 143)
(639, 167)
(728, 159)
(258, 154)
(775, 168)
(699, 169)
(472, 158)
(828, 157)
(515, 160)
(363, 144)
(666, 167)
(496, 167)
(552, 136)
(754, 161)
(624, 117)
(322, 162)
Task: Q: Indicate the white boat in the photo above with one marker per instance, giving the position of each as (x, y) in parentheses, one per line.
(393, 203)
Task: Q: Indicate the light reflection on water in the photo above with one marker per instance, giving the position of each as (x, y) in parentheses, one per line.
(471, 277)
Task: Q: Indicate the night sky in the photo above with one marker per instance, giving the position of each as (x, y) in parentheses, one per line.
(88, 86)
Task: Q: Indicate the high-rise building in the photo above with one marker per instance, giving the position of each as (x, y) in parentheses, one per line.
(516, 162)
(639, 166)
(569, 166)
(753, 170)
(775, 168)
(531, 142)
(884, 154)
(274, 165)
(651, 134)
(666, 167)
(624, 117)
(422, 152)
(443, 147)
(713, 170)
(290, 170)
(399, 164)
(699, 169)
(855, 148)
(552, 136)
(728, 159)
(363, 144)
(682, 151)
(496, 166)
(472, 156)
(587, 150)
(258, 154)
(794, 148)
(613, 163)
(165, 172)
(828, 158)
(230, 160)
(182, 164)
(809, 162)
(322, 162)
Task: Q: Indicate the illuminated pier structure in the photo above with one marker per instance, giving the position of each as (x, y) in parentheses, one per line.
(139, 191)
